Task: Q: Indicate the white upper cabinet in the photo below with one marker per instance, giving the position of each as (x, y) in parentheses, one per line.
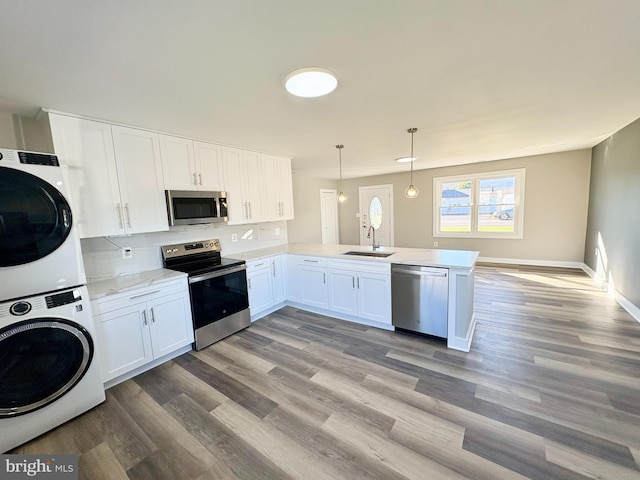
(191, 165)
(140, 179)
(243, 179)
(209, 166)
(115, 176)
(278, 195)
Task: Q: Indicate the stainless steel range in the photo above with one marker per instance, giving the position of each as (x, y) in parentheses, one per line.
(218, 287)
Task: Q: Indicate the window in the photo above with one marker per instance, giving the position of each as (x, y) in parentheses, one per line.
(485, 205)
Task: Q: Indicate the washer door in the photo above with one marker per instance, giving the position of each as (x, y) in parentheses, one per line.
(35, 219)
(40, 361)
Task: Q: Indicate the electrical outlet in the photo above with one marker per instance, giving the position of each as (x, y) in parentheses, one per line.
(234, 237)
(277, 231)
(127, 252)
(435, 244)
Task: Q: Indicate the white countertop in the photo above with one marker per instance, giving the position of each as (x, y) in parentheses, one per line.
(464, 259)
(123, 283)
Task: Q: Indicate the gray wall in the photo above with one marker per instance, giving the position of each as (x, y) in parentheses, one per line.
(306, 226)
(614, 212)
(556, 200)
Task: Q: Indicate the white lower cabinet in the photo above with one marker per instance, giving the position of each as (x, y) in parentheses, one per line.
(140, 326)
(265, 279)
(360, 289)
(307, 280)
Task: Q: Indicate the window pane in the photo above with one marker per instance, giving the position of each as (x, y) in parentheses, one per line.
(496, 205)
(375, 213)
(455, 209)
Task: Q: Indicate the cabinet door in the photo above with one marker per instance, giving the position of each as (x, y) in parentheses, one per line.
(178, 163)
(343, 296)
(278, 280)
(124, 342)
(278, 194)
(374, 297)
(259, 283)
(87, 148)
(254, 185)
(209, 169)
(314, 286)
(170, 323)
(140, 178)
(234, 180)
(294, 279)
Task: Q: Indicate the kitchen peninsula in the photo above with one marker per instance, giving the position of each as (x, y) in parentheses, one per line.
(356, 286)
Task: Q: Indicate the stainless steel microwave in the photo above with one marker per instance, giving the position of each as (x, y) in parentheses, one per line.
(193, 207)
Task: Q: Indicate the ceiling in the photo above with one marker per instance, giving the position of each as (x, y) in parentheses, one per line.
(481, 80)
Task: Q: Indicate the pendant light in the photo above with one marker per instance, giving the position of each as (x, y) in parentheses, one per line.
(411, 191)
(341, 196)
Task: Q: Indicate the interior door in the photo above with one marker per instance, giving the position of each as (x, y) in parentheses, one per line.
(376, 204)
(329, 216)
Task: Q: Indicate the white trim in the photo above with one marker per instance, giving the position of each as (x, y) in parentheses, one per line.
(463, 344)
(630, 307)
(537, 263)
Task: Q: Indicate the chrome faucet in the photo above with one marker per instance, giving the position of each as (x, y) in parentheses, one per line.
(374, 246)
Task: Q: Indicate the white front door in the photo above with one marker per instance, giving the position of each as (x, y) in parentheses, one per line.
(329, 216)
(376, 204)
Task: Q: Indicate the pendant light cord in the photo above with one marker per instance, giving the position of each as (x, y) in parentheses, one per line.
(340, 147)
(412, 131)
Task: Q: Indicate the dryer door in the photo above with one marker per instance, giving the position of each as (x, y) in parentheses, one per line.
(40, 360)
(35, 219)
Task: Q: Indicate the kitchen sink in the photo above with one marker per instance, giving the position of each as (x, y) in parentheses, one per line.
(369, 254)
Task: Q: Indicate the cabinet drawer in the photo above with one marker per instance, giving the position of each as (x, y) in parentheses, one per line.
(361, 265)
(310, 261)
(256, 265)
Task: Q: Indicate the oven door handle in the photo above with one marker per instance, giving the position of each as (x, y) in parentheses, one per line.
(217, 273)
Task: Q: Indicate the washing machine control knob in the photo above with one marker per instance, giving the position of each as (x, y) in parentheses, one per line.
(20, 308)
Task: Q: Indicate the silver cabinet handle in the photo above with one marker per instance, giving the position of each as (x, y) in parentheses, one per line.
(246, 210)
(258, 264)
(200, 178)
(144, 318)
(119, 212)
(249, 282)
(324, 277)
(153, 316)
(194, 179)
(273, 268)
(250, 210)
(126, 214)
(358, 283)
(311, 261)
(353, 282)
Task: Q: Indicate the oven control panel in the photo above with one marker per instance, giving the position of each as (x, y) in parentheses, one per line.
(179, 250)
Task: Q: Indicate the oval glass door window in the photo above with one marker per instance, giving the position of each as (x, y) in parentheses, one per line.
(375, 213)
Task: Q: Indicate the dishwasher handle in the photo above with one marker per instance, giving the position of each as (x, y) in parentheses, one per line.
(420, 271)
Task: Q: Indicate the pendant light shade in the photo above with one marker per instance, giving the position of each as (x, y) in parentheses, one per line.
(411, 191)
(341, 196)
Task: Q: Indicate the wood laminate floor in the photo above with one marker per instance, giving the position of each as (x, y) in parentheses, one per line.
(550, 390)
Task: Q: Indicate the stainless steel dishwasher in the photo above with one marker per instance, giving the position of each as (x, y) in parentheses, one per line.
(419, 297)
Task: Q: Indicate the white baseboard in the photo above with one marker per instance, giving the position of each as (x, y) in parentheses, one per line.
(535, 263)
(631, 308)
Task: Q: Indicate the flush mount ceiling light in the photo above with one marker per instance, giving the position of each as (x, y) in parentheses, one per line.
(341, 196)
(411, 191)
(310, 82)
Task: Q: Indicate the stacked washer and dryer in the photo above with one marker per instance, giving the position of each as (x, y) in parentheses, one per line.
(49, 371)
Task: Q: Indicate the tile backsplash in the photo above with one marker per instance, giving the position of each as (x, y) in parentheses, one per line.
(103, 255)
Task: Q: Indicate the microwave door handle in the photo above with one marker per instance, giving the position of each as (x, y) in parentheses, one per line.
(170, 207)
